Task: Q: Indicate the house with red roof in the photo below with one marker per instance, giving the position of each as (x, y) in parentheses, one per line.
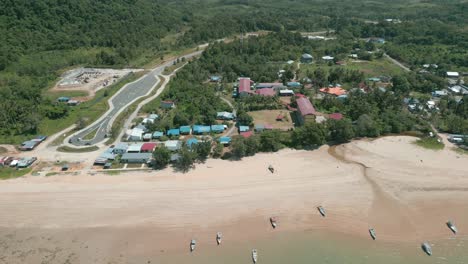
(244, 86)
(305, 110)
(148, 147)
(336, 91)
(266, 92)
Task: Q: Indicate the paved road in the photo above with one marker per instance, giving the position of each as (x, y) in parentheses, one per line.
(125, 97)
(233, 128)
(399, 64)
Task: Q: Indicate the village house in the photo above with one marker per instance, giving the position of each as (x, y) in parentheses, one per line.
(200, 129)
(225, 116)
(453, 74)
(286, 92)
(148, 147)
(136, 134)
(336, 91)
(266, 92)
(225, 140)
(167, 104)
(267, 85)
(63, 99)
(158, 134)
(173, 132)
(217, 128)
(73, 102)
(136, 157)
(173, 145)
(191, 142)
(185, 130)
(305, 110)
(120, 148)
(307, 58)
(134, 148)
(244, 87)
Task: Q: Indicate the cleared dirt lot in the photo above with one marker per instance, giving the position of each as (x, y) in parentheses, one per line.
(269, 117)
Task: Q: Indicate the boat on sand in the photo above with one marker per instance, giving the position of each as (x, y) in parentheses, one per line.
(452, 227)
(219, 237)
(321, 210)
(192, 245)
(273, 222)
(254, 255)
(372, 233)
(427, 248)
(271, 169)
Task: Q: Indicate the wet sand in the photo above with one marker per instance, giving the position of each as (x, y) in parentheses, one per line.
(405, 192)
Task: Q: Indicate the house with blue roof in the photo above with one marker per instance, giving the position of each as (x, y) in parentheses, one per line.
(191, 141)
(158, 134)
(294, 84)
(185, 130)
(173, 132)
(217, 128)
(244, 128)
(63, 99)
(225, 140)
(199, 129)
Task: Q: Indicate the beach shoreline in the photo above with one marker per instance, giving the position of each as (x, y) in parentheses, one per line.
(403, 191)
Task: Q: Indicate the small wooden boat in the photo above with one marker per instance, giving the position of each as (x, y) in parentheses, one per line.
(193, 243)
(452, 227)
(254, 255)
(372, 233)
(321, 210)
(271, 169)
(219, 237)
(273, 222)
(427, 248)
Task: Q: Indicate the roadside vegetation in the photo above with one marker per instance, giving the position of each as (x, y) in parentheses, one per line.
(10, 173)
(77, 150)
(430, 143)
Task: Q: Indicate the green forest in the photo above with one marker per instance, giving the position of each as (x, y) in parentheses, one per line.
(42, 38)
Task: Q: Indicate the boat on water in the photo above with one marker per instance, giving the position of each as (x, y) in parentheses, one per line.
(452, 227)
(219, 237)
(273, 222)
(321, 210)
(427, 248)
(372, 233)
(193, 243)
(271, 169)
(254, 255)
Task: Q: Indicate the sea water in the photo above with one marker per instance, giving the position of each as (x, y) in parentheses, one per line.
(316, 247)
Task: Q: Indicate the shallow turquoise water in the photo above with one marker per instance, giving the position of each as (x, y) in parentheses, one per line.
(321, 248)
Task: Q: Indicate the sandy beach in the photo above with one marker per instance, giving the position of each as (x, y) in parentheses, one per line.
(405, 192)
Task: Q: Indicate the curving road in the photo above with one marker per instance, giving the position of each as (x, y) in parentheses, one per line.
(121, 100)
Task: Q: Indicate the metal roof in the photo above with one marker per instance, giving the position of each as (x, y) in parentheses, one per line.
(304, 106)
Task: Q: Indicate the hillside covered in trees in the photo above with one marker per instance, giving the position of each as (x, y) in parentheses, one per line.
(42, 37)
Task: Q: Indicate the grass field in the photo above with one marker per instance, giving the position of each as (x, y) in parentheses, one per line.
(53, 95)
(269, 117)
(77, 150)
(9, 173)
(430, 143)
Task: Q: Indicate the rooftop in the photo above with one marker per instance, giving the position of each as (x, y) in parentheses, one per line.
(304, 106)
(266, 92)
(333, 90)
(150, 146)
(244, 85)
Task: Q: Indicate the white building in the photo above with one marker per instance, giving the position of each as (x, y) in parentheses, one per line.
(453, 74)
